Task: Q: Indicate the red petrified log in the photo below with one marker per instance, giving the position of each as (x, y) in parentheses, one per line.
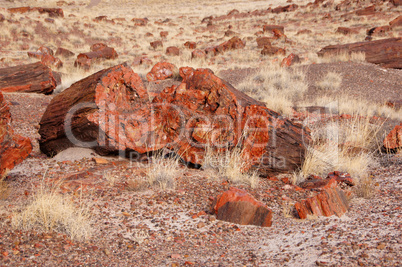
(13, 148)
(212, 112)
(30, 78)
(385, 52)
(202, 111)
(237, 206)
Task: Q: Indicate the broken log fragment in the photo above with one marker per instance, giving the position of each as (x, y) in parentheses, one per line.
(29, 78)
(384, 52)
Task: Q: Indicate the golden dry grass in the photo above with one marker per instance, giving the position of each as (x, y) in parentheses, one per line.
(163, 171)
(48, 211)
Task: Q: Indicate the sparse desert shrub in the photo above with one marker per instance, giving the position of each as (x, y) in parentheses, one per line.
(110, 177)
(163, 170)
(331, 81)
(51, 211)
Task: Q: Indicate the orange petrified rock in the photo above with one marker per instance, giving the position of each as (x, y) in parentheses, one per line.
(237, 206)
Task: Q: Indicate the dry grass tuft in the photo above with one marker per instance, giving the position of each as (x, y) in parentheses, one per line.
(51, 211)
(4, 189)
(331, 82)
(365, 188)
(347, 146)
(230, 166)
(163, 170)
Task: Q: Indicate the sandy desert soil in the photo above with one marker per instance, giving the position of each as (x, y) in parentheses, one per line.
(135, 224)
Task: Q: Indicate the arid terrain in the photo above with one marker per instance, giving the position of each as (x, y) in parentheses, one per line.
(336, 201)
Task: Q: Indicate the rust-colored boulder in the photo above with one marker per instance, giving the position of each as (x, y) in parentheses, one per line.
(385, 52)
(393, 141)
(108, 111)
(161, 71)
(370, 10)
(140, 22)
(290, 60)
(98, 52)
(231, 44)
(331, 200)
(304, 31)
(378, 31)
(142, 60)
(190, 45)
(314, 182)
(347, 31)
(51, 61)
(263, 41)
(172, 51)
(198, 54)
(207, 111)
(13, 147)
(237, 206)
(287, 8)
(29, 78)
(156, 44)
(272, 50)
(396, 2)
(52, 12)
(2, 18)
(64, 52)
(45, 54)
(397, 22)
(270, 28)
(164, 34)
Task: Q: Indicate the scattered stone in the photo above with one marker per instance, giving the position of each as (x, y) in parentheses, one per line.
(270, 28)
(190, 45)
(164, 34)
(290, 60)
(385, 52)
(13, 147)
(161, 71)
(140, 22)
(330, 201)
(272, 50)
(52, 12)
(304, 31)
(198, 54)
(156, 44)
(64, 52)
(397, 22)
(263, 41)
(393, 141)
(287, 8)
(2, 18)
(29, 78)
(172, 51)
(99, 51)
(347, 31)
(378, 31)
(370, 10)
(237, 206)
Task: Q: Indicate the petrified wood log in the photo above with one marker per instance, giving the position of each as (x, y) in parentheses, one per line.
(13, 148)
(111, 111)
(30, 78)
(205, 111)
(385, 52)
